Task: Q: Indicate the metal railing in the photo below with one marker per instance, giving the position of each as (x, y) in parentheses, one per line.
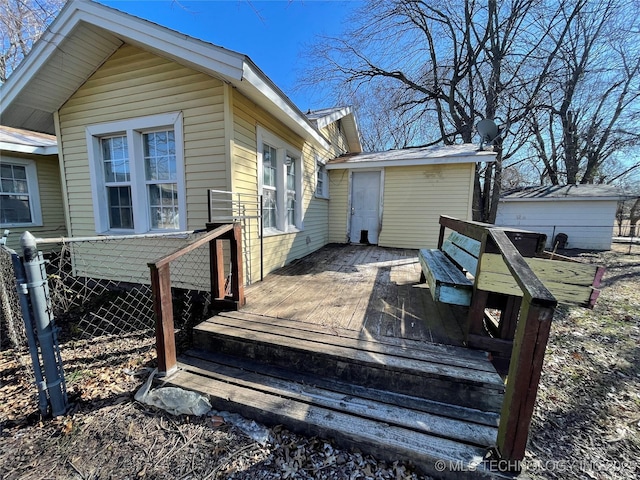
(245, 208)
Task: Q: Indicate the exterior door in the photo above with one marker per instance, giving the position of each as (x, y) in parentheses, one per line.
(365, 207)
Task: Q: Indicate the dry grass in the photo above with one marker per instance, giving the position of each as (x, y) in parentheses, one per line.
(587, 420)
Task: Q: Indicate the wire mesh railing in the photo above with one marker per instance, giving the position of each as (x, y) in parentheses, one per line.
(12, 331)
(101, 285)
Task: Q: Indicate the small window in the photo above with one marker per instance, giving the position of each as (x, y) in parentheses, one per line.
(322, 184)
(161, 179)
(117, 181)
(19, 196)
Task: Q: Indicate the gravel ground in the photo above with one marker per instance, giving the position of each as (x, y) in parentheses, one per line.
(586, 423)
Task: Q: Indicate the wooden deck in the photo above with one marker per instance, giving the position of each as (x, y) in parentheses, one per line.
(368, 289)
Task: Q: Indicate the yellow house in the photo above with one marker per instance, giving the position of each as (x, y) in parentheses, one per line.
(30, 192)
(149, 120)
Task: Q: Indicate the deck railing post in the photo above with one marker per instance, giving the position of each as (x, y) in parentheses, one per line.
(163, 309)
(216, 257)
(525, 370)
(237, 274)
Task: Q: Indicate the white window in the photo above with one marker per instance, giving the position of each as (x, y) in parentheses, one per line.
(19, 195)
(137, 174)
(281, 185)
(290, 167)
(269, 174)
(322, 182)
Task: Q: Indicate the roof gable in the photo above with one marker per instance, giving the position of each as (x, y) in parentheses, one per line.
(86, 34)
(324, 117)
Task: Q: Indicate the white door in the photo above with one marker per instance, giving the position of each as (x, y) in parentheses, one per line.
(365, 207)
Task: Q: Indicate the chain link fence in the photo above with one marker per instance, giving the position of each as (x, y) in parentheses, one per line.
(11, 322)
(101, 285)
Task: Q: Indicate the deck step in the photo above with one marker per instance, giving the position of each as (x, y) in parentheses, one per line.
(450, 375)
(389, 425)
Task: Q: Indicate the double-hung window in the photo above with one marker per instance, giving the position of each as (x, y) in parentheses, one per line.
(290, 166)
(281, 186)
(137, 174)
(322, 183)
(269, 188)
(19, 196)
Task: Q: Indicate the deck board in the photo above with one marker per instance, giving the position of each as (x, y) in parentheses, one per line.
(438, 424)
(367, 289)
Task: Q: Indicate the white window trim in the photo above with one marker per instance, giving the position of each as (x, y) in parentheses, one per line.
(282, 148)
(34, 191)
(141, 218)
(325, 184)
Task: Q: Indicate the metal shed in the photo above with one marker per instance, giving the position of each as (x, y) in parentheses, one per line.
(584, 213)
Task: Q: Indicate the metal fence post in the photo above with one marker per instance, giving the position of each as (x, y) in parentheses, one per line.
(21, 287)
(38, 290)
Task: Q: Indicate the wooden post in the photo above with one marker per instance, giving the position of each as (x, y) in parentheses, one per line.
(509, 317)
(441, 236)
(475, 317)
(216, 259)
(532, 335)
(163, 309)
(237, 271)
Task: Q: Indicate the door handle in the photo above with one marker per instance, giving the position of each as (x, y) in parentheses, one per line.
(353, 211)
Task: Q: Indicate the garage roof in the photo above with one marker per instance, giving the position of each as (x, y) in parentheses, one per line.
(564, 192)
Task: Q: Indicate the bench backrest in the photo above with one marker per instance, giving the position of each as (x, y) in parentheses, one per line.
(463, 251)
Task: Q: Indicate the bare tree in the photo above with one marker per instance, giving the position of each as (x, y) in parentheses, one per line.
(447, 64)
(22, 22)
(586, 112)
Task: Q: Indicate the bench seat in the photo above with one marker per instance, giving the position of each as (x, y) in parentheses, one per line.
(446, 282)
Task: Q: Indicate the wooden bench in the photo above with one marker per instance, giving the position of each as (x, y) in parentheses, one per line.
(444, 269)
(511, 274)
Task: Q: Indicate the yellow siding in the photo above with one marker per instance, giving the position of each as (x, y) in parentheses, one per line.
(219, 147)
(335, 134)
(338, 205)
(283, 248)
(53, 222)
(414, 199)
(135, 83)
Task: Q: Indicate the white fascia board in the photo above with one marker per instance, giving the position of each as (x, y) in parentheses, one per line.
(409, 162)
(266, 87)
(180, 47)
(43, 48)
(335, 116)
(37, 150)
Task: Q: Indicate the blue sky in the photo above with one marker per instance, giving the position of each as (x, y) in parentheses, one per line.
(272, 33)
